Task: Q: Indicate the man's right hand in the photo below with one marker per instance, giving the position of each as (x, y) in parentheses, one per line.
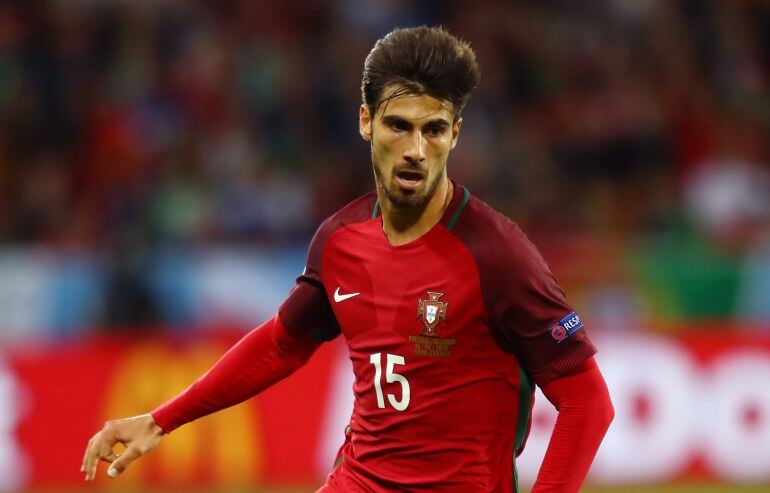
(139, 434)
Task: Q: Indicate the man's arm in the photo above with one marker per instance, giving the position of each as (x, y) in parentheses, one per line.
(263, 357)
(530, 318)
(585, 414)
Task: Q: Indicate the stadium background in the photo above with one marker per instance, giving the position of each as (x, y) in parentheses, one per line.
(163, 165)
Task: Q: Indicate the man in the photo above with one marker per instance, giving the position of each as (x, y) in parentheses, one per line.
(450, 314)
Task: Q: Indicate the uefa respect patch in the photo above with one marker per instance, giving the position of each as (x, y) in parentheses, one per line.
(566, 327)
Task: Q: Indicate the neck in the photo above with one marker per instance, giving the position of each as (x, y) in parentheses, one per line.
(404, 224)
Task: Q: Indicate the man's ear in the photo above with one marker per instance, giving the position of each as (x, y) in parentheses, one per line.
(456, 131)
(365, 123)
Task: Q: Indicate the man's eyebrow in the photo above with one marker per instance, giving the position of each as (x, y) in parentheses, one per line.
(394, 119)
(438, 122)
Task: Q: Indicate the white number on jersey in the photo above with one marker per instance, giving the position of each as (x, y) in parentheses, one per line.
(390, 377)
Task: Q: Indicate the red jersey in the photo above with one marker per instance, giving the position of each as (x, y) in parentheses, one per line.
(447, 335)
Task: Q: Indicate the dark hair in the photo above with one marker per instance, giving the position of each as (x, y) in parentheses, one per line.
(420, 60)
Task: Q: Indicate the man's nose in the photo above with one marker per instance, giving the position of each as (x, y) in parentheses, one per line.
(415, 150)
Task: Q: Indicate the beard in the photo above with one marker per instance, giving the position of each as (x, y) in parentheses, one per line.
(406, 200)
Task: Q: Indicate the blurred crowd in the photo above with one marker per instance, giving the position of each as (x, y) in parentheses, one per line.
(630, 138)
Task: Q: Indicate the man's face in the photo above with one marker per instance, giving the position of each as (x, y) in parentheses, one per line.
(411, 137)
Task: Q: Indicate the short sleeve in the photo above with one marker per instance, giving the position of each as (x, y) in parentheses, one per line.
(527, 310)
(529, 307)
(306, 312)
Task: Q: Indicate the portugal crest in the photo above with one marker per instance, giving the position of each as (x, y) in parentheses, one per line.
(432, 311)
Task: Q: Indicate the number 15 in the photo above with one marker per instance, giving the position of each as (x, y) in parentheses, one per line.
(390, 377)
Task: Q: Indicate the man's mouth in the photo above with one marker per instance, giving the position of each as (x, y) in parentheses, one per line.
(409, 180)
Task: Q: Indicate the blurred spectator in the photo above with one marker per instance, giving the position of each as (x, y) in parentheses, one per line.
(234, 123)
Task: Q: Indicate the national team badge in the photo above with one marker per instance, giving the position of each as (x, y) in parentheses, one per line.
(432, 311)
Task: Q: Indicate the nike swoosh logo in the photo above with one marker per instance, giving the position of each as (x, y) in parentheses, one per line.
(342, 297)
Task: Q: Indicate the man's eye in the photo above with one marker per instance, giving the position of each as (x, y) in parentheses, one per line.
(434, 131)
(399, 127)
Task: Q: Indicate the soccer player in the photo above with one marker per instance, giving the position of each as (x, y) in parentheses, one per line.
(450, 314)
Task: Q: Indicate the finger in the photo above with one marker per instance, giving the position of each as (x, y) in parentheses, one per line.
(85, 455)
(89, 462)
(101, 439)
(122, 462)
